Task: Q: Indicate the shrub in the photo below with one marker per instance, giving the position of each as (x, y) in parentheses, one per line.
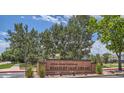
(29, 72)
(41, 71)
(99, 68)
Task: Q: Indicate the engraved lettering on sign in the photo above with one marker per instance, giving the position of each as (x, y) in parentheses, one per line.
(61, 67)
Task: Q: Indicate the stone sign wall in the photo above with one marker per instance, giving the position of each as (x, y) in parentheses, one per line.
(66, 67)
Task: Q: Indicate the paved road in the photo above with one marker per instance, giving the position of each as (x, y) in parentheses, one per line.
(114, 76)
(11, 72)
(12, 75)
(12, 69)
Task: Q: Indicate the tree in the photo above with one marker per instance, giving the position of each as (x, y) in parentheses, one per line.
(0, 57)
(8, 55)
(18, 41)
(106, 57)
(46, 44)
(93, 58)
(68, 41)
(34, 52)
(98, 58)
(74, 38)
(71, 41)
(111, 30)
(24, 43)
(78, 37)
(57, 39)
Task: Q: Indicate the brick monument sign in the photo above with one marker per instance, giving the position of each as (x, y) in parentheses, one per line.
(68, 67)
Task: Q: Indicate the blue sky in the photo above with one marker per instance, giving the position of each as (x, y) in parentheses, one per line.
(40, 23)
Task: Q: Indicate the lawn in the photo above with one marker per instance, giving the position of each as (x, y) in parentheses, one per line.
(111, 65)
(22, 65)
(3, 66)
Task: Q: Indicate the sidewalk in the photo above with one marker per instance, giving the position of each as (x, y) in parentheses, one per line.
(14, 68)
(7, 62)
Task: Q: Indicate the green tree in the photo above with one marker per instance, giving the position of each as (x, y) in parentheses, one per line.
(57, 38)
(98, 58)
(93, 58)
(46, 44)
(111, 30)
(0, 57)
(69, 40)
(18, 41)
(8, 55)
(34, 52)
(24, 43)
(106, 57)
(79, 38)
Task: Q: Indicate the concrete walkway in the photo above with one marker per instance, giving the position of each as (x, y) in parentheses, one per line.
(14, 68)
(6, 62)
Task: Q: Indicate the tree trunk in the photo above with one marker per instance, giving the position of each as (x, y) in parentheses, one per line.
(26, 64)
(119, 62)
(25, 61)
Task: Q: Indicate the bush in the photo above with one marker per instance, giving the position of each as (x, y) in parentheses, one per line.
(99, 68)
(41, 71)
(29, 72)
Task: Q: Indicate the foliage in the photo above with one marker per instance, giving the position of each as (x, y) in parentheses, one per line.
(24, 43)
(8, 55)
(111, 65)
(22, 65)
(4, 66)
(111, 30)
(0, 57)
(99, 68)
(106, 57)
(93, 58)
(29, 72)
(41, 71)
(96, 58)
(70, 41)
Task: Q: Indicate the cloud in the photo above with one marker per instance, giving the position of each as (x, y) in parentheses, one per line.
(99, 48)
(22, 17)
(122, 16)
(3, 45)
(54, 19)
(36, 18)
(50, 18)
(98, 17)
(68, 16)
(3, 35)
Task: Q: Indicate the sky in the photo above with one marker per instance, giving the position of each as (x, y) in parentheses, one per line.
(40, 23)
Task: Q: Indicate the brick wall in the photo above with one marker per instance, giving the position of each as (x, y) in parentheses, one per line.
(66, 67)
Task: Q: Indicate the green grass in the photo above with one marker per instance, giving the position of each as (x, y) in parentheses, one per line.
(3, 66)
(22, 65)
(112, 65)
